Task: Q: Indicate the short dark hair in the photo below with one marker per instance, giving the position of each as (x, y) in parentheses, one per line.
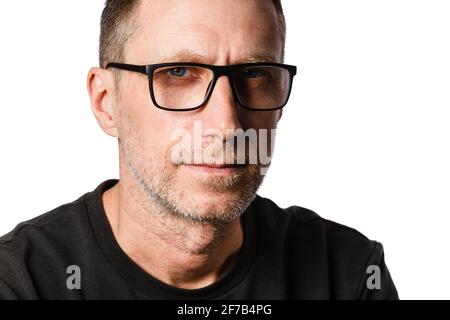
(116, 27)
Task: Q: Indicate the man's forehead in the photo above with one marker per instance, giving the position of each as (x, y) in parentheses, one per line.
(198, 35)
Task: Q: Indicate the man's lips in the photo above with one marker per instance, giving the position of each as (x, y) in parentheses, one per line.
(218, 166)
(222, 169)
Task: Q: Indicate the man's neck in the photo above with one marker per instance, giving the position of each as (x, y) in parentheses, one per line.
(178, 252)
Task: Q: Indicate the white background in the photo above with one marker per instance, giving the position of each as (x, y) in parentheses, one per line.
(364, 140)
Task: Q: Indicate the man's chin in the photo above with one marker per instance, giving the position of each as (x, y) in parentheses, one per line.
(207, 205)
(214, 206)
(211, 197)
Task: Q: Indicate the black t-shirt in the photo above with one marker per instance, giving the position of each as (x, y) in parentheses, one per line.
(286, 254)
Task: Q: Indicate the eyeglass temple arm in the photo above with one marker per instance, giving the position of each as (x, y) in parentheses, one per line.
(129, 67)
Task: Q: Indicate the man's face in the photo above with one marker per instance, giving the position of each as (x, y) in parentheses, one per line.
(220, 32)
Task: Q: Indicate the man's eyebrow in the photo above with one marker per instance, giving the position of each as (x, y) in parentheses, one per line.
(183, 56)
(259, 58)
(188, 56)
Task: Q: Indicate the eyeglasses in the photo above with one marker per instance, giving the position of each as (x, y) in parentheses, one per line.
(185, 86)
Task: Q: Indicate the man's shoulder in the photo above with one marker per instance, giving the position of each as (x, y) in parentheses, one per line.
(315, 248)
(63, 215)
(62, 220)
(301, 217)
(34, 247)
(300, 225)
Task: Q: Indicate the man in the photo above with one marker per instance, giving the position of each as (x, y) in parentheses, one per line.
(180, 84)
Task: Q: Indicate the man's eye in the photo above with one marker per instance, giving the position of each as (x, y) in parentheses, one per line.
(177, 72)
(254, 73)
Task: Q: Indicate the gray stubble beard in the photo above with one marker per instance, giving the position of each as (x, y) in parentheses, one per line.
(171, 203)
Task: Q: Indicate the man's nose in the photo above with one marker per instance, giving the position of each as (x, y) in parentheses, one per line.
(221, 110)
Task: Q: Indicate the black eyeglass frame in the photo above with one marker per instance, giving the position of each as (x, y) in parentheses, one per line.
(217, 72)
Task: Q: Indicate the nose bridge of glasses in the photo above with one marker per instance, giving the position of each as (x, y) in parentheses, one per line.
(221, 112)
(223, 71)
(220, 71)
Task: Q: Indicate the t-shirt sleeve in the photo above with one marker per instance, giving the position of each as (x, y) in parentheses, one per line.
(6, 293)
(15, 281)
(376, 282)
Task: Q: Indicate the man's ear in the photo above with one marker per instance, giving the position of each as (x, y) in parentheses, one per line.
(100, 85)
